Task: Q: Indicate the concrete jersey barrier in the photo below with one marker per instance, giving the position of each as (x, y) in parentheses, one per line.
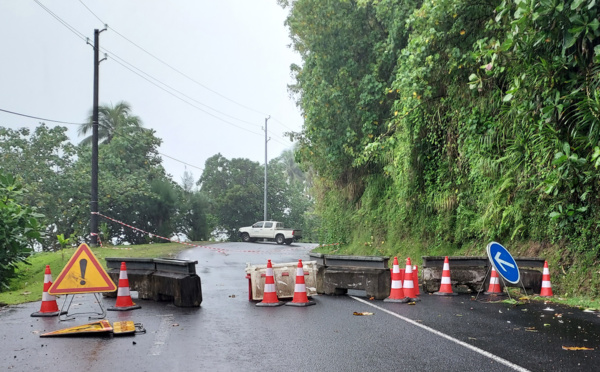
(160, 279)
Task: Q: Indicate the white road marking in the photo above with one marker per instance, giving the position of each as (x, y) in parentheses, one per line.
(162, 334)
(450, 338)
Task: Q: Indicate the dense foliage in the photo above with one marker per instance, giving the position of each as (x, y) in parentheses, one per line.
(19, 228)
(451, 120)
(234, 190)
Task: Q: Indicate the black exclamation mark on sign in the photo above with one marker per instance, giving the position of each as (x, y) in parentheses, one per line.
(82, 266)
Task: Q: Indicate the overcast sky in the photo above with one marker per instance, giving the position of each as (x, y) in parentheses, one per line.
(235, 56)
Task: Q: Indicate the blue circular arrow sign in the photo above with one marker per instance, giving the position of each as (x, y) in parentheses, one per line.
(503, 262)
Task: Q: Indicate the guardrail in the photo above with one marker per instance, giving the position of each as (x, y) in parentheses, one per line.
(160, 279)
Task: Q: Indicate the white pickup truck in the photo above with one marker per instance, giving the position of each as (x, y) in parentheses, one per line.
(270, 230)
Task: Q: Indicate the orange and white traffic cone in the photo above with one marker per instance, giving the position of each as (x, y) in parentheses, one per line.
(408, 286)
(49, 306)
(446, 284)
(546, 286)
(300, 297)
(494, 287)
(396, 292)
(416, 280)
(269, 292)
(124, 301)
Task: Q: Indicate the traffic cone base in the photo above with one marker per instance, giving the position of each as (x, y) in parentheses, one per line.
(307, 303)
(270, 292)
(48, 314)
(446, 283)
(300, 297)
(124, 301)
(49, 306)
(269, 304)
(398, 300)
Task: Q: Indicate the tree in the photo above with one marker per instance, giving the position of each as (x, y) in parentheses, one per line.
(19, 228)
(110, 120)
(234, 192)
(42, 159)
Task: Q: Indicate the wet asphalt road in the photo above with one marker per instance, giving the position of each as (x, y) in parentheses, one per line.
(229, 333)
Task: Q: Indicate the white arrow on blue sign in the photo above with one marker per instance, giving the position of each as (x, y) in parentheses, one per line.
(503, 262)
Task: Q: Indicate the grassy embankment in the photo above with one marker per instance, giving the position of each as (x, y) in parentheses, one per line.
(29, 284)
(575, 277)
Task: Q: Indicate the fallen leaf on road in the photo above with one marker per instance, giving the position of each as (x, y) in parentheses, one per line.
(546, 325)
(577, 348)
(363, 313)
(523, 309)
(174, 325)
(458, 314)
(558, 315)
(412, 303)
(531, 329)
(371, 298)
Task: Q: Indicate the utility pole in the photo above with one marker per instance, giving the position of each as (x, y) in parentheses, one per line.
(94, 196)
(266, 140)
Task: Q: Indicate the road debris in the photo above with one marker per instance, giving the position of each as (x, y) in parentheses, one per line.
(577, 348)
(363, 313)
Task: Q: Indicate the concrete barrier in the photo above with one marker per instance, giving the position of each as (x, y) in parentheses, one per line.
(468, 274)
(160, 279)
(284, 275)
(336, 274)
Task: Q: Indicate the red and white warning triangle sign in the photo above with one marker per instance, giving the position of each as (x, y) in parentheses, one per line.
(82, 274)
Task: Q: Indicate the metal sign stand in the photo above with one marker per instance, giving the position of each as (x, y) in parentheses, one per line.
(66, 316)
(500, 260)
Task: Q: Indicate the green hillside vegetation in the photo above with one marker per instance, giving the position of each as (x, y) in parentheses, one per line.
(434, 127)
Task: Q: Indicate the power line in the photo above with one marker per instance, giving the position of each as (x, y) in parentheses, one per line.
(68, 26)
(181, 99)
(182, 162)
(38, 118)
(66, 122)
(82, 36)
(175, 69)
(180, 72)
(176, 90)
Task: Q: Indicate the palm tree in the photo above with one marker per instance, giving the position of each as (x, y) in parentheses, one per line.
(293, 171)
(110, 120)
